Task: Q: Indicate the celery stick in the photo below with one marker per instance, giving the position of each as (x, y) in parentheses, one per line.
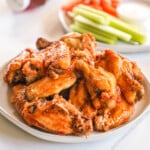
(108, 17)
(92, 16)
(77, 28)
(95, 11)
(107, 29)
(93, 30)
(136, 35)
(119, 24)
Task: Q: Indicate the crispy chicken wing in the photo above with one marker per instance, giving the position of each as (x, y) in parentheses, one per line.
(82, 42)
(46, 86)
(101, 84)
(24, 68)
(78, 94)
(107, 119)
(80, 98)
(57, 54)
(128, 75)
(30, 66)
(57, 116)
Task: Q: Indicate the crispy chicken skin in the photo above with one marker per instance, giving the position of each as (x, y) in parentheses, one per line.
(128, 75)
(78, 94)
(47, 86)
(105, 120)
(82, 42)
(42, 43)
(81, 46)
(14, 73)
(30, 66)
(57, 55)
(65, 87)
(57, 116)
(80, 98)
(100, 84)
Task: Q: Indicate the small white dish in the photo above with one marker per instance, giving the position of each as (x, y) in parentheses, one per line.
(134, 12)
(8, 111)
(121, 46)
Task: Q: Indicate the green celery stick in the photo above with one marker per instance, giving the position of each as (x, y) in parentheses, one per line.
(92, 16)
(107, 29)
(137, 35)
(94, 30)
(92, 10)
(77, 28)
(109, 17)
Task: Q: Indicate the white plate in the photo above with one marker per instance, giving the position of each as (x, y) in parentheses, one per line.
(120, 47)
(8, 111)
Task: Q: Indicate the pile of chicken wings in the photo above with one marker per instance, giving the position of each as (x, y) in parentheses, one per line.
(66, 87)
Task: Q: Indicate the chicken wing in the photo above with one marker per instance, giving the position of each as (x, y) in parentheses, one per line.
(24, 68)
(80, 98)
(57, 54)
(108, 119)
(128, 75)
(56, 116)
(77, 41)
(78, 94)
(101, 84)
(47, 86)
(30, 66)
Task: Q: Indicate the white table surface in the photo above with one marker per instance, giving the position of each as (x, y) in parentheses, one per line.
(20, 30)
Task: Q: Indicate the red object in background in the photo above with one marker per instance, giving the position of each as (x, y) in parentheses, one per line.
(23, 5)
(108, 6)
(35, 3)
(70, 5)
